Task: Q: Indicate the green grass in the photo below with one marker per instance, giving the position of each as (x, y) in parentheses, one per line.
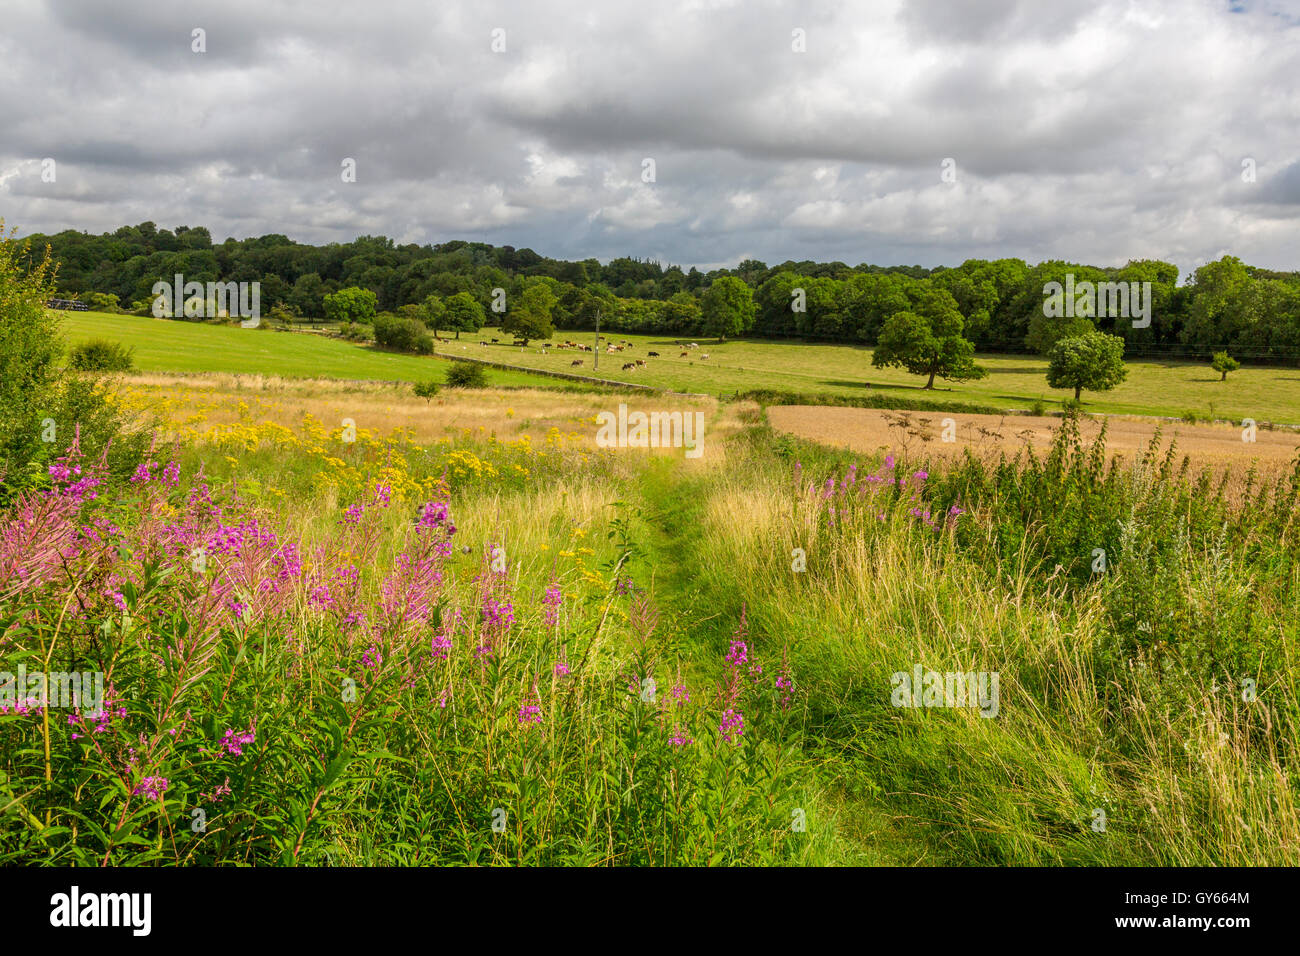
(1014, 381)
(164, 345)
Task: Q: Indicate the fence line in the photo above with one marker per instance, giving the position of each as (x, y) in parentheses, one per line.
(569, 375)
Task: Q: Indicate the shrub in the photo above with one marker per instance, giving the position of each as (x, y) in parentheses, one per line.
(466, 375)
(356, 332)
(284, 315)
(101, 355)
(29, 351)
(426, 390)
(41, 414)
(1038, 408)
(101, 301)
(405, 335)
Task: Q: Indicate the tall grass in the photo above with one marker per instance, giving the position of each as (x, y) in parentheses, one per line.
(308, 665)
(1160, 692)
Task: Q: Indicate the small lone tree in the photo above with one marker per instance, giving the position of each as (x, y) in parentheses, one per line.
(927, 346)
(1223, 363)
(1094, 361)
(426, 390)
(728, 307)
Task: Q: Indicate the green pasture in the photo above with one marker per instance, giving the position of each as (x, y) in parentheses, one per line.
(1154, 387)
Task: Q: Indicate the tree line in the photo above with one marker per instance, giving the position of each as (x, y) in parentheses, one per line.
(1225, 305)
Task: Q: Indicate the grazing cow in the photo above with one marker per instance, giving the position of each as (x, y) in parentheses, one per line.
(629, 365)
(640, 363)
(693, 345)
(652, 354)
(496, 340)
(684, 354)
(575, 362)
(705, 355)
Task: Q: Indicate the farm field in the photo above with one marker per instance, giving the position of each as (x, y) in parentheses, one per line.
(1265, 393)
(866, 430)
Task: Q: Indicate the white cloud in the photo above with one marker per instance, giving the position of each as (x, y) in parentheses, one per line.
(1092, 131)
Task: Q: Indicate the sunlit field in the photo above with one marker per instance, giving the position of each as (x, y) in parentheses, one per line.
(1163, 388)
(341, 625)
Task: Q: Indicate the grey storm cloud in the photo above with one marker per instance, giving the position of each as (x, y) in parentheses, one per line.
(1090, 131)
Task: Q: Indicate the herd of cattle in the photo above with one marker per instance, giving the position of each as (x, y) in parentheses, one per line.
(611, 348)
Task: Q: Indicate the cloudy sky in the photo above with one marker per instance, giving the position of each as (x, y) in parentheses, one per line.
(1096, 132)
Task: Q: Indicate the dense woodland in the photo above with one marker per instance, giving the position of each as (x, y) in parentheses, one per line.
(1253, 312)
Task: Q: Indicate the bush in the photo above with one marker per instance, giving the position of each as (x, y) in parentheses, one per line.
(101, 355)
(426, 390)
(405, 335)
(101, 301)
(41, 413)
(356, 332)
(466, 375)
(1038, 408)
(284, 316)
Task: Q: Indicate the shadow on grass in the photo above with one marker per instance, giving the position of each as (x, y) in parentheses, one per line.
(938, 389)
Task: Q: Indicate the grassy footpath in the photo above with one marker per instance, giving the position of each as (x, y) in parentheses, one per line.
(850, 820)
